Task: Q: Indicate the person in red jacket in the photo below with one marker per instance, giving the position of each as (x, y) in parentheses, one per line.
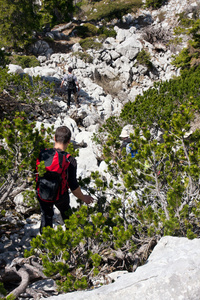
(62, 139)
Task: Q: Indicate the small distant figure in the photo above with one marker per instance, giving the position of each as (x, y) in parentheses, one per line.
(71, 86)
(126, 141)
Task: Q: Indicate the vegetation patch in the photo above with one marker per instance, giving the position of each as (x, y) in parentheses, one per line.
(109, 10)
(90, 43)
(84, 56)
(161, 101)
(86, 30)
(189, 26)
(91, 31)
(144, 58)
(107, 32)
(155, 4)
(24, 61)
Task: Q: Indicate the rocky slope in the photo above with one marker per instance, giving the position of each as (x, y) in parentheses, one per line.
(112, 78)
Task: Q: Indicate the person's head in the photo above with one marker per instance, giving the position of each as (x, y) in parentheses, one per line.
(62, 135)
(70, 69)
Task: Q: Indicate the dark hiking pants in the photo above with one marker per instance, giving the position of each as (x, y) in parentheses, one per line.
(47, 211)
(69, 93)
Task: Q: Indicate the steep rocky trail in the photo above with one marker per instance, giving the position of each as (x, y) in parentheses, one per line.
(107, 83)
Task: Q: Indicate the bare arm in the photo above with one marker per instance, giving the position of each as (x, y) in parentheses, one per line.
(85, 198)
(62, 83)
(77, 84)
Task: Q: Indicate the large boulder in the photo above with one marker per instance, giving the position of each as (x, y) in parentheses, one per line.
(171, 272)
(130, 47)
(41, 48)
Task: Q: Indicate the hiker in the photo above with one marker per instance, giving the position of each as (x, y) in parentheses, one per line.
(71, 84)
(126, 141)
(51, 189)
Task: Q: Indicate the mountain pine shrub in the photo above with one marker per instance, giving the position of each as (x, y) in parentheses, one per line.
(109, 10)
(163, 177)
(190, 56)
(160, 102)
(24, 89)
(155, 4)
(144, 58)
(20, 143)
(86, 30)
(91, 241)
(18, 19)
(4, 58)
(53, 12)
(90, 43)
(24, 61)
(83, 56)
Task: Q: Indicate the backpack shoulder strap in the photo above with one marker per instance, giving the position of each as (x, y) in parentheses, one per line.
(68, 155)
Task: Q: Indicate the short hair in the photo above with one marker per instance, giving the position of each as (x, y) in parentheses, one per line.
(70, 69)
(62, 135)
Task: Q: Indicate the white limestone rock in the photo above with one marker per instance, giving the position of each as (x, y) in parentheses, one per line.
(15, 69)
(129, 48)
(87, 162)
(21, 205)
(77, 48)
(171, 272)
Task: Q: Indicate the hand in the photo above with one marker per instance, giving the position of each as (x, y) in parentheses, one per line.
(88, 199)
(85, 198)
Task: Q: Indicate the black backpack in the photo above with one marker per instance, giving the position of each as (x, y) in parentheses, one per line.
(71, 85)
(53, 184)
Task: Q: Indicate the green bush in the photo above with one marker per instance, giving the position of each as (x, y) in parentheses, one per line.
(189, 56)
(18, 21)
(144, 58)
(20, 145)
(163, 176)
(90, 43)
(110, 10)
(54, 12)
(161, 101)
(24, 89)
(154, 3)
(79, 253)
(182, 60)
(84, 56)
(2, 290)
(107, 32)
(86, 30)
(4, 58)
(89, 30)
(24, 61)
